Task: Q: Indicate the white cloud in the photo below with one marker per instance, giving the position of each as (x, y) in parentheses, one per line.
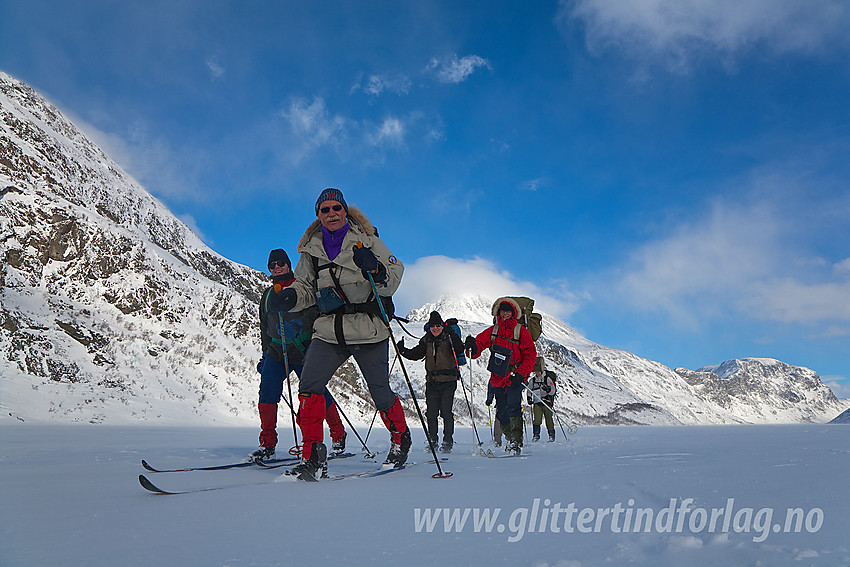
(314, 127)
(215, 67)
(431, 277)
(702, 262)
(737, 258)
(839, 385)
(377, 84)
(189, 221)
(453, 70)
(678, 30)
(390, 131)
(792, 301)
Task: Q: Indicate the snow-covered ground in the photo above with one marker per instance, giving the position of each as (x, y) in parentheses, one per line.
(717, 495)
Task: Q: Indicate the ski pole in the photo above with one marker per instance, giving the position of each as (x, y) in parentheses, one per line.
(440, 473)
(296, 448)
(369, 454)
(468, 405)
(376, 410)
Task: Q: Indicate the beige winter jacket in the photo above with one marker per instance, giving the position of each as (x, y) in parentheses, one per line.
(358, 328)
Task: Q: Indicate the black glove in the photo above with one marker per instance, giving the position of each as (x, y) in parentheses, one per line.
(284, 300)
(365, 259)
(488, 402)
(529, 400)
(469, 344)
(260, 364)
(400, 344)
(517, 378)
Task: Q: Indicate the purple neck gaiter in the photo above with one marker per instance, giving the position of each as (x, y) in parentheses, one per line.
(332, 241)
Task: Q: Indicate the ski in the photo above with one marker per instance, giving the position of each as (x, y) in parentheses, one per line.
(268, 464)
(369, 474)
(148, 485)
(151, 487)
(331, 457)
(240, 464)
(491, 455)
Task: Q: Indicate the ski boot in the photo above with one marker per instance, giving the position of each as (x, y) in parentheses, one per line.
(551, 435)
(536, 432)
(446, 447)
(313, 468)
(398, 451)
(338, 446)
(513, 448)
(262, 454)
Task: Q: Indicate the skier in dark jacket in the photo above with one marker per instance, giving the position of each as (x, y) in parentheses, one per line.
(439, 348)
(298, 330)
(512, 357)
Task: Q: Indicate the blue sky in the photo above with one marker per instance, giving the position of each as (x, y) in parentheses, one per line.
(670, 177)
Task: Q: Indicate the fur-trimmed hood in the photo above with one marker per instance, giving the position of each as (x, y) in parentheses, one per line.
(355, 216)
(509, 300)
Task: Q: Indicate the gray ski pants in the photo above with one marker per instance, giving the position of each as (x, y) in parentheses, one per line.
(323, 359)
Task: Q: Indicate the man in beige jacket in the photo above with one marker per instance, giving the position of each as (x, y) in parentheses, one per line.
(337, 250)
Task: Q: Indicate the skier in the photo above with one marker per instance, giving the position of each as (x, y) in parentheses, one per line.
(439, 348)
(541, 397)
(332, 275)
(510, 364)
(297, 329)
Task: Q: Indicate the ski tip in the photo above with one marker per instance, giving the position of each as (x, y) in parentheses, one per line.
(148, 485)
(147, 466)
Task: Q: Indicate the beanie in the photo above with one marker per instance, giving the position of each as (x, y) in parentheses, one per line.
(279, 255)
(505, 306)
(435, 319)
(331, 194)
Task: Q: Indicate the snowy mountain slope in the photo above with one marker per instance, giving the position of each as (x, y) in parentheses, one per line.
(113, 310)
(844, 417)
(111, 307)
(609, 386)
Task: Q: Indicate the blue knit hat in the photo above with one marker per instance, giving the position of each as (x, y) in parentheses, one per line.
(331, 194)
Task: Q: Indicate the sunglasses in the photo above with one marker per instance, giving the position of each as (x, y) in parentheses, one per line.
(326, 210)
(277, 263)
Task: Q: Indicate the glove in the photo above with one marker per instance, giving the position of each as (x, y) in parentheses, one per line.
(400, 343)
(284, 300)
(365, 259)
(380, 277)
(488, 402)
(260, 364)
(529, 400)
(517, 378)
(547, 388)
(288, 330)
(469, 344)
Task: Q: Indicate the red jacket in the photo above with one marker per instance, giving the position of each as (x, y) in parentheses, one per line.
(523, 354)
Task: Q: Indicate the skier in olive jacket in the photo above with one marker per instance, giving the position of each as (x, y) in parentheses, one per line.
(439, 348)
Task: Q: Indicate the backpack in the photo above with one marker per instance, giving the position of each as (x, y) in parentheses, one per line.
(455, 328)
(524, 307)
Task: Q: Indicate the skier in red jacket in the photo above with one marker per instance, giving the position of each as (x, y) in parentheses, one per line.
(512, 357)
